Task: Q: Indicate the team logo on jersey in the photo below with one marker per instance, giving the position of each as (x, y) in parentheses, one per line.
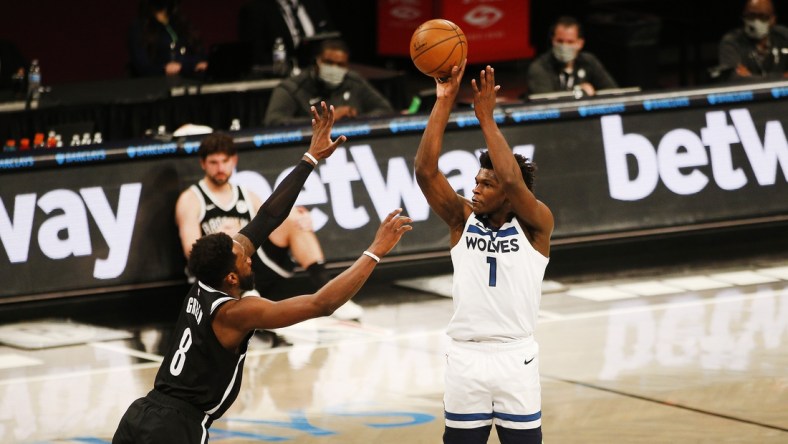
(241, 207)
(497, 242)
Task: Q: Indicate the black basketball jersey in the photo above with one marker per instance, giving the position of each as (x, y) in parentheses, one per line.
(197, 369)
(213, 215)
(270, 259)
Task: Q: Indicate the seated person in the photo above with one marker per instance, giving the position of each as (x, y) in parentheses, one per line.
(566, 67)
(260, 22)
(162, 42)
(331, 81)
(759, 49)
(215, 205)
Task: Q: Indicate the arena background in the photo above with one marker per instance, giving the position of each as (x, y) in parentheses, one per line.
(674, 48)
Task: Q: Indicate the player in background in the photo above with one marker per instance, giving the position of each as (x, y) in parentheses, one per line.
(214, 204)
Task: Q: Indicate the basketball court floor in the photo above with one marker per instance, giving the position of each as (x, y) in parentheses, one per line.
(697, 355)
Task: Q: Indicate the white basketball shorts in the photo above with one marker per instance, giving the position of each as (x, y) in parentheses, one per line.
(493, 382)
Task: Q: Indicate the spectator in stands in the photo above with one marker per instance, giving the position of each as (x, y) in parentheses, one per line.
(567, 67)
(328, 80)
(215, 205)
(260, 22)
(162, 42)
(759, 49)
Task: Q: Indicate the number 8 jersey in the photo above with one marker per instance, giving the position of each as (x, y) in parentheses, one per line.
(497, 283)
(197, 369)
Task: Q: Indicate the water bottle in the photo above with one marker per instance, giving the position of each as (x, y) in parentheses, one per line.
(279, 58)
(34, 81)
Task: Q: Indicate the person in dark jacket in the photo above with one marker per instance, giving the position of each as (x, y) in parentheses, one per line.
(759, 49)
(163, 42)
(329, 80)
(260, 22)
(567, 67)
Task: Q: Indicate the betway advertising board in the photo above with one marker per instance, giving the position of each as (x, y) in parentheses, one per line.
(85, 226)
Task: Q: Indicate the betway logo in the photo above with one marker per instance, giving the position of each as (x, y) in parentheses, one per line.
(396, 188)
(681, 153)
(66, 231)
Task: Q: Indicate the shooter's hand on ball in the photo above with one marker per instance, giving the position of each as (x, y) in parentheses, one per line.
(449, 87)
(484, 93)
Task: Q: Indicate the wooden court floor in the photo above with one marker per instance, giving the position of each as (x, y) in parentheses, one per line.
(699, 356)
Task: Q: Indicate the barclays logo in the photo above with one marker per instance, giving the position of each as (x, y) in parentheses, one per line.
(744, 96)
(673, 102)
(80, 157)
(465, 121)
(396, 126)
(778, 93)
(547, 114)
(151, 150)
(596, 110)
(191, 147)
(483, 16)
(17, 162)
(351, 130)
(283, 137)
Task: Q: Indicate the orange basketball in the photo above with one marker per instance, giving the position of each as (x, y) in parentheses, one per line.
(436, 46)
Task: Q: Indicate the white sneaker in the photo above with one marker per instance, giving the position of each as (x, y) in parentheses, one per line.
(350, 311)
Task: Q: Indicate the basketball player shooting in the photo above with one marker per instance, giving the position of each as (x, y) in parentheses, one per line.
(500, 245)
(200, 376)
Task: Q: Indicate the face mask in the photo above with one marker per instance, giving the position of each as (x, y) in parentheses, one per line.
(564, 53)
(756, 29)
(331, 74)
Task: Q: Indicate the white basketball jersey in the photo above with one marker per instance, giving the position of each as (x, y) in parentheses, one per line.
(497, 283)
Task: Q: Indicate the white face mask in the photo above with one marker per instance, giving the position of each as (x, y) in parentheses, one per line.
(564, 53)
(331, 74)
(756, 29)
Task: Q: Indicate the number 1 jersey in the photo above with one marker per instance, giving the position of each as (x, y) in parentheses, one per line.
(497, 283)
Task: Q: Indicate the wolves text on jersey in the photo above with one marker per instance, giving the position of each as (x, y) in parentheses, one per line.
(502, 241)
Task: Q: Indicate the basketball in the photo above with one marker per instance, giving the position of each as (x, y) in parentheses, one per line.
(436, 46)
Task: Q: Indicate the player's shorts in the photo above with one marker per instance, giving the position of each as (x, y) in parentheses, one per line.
(493, 382)
(159, 418)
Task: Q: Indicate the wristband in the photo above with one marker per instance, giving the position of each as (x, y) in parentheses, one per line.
(311, 157)
(372, 255)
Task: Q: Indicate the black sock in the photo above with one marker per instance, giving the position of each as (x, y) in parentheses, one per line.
(453, 435)
(318, 274)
